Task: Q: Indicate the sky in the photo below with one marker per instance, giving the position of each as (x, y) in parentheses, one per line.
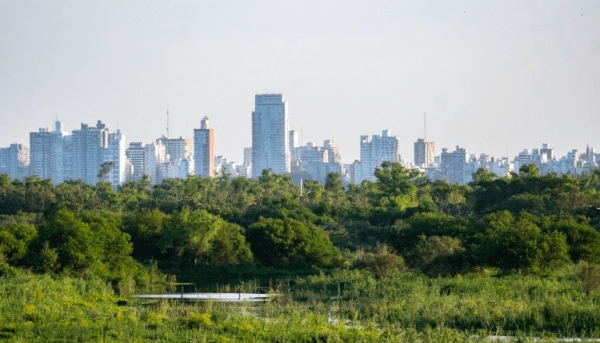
(494, 77)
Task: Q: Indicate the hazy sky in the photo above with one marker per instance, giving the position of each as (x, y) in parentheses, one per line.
(492, 75)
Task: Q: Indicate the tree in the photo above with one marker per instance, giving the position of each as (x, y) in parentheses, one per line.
(286, 243)
(14, 241)
(145, 228)
(438, 255)
(112, 247)
(582, 239)
(519, 244)
(197, 237)
(407, 233)
(395, 192)
(105, 168)
(71, 239)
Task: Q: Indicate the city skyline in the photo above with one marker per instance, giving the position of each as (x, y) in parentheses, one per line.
(493, 77)
(84, 155)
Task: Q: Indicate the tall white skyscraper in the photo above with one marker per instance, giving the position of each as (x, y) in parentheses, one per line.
(204, 149)
(270, 135)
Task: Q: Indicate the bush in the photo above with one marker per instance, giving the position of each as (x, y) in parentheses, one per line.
(589, 276)
(435, 255)
(382, 263)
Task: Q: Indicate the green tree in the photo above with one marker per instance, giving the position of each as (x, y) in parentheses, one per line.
(14, 241)
(519, 244)
(582, 239)
(407, 233)
(112, 247)
(394, 193)
(105, 168)
(146, 228)
(285, 243)
(71, 239)
(197, 237)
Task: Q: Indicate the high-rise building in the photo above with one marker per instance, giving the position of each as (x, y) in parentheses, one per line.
(14, 161)
(136, 155)
(294, 143)
(204, 149)
(424, 153)
(373, 152)
(47, 153)
(91, 146)
(315, 162)
(179, 153)
(154, 156)
(270, 135)
(247, 156)
(334, 154)
(454, 165)
(115, 153)
(88, 145)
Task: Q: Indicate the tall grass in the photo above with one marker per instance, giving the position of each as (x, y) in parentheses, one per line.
(346, 306)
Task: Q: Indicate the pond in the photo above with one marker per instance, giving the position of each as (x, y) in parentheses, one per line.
(226, 297)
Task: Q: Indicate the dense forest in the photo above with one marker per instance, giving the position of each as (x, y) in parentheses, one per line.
(525, 223)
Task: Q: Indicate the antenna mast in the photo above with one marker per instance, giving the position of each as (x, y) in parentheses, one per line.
(167, 123)
(424, 124)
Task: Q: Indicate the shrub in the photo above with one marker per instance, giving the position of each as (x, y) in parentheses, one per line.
(589, 276)
(435, 255)
(382, 263)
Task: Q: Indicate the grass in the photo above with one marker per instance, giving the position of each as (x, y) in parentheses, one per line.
(344, 306)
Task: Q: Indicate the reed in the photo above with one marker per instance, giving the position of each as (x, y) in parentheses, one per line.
(342, 306)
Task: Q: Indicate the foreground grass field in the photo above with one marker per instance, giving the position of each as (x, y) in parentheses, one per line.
(346, 306)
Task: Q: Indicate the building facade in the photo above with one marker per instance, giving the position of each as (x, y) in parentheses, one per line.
(204, 150)
(179, 152)
(47, 153)
(270, 135)
(374, 151)
(424, 153)
(14, 161)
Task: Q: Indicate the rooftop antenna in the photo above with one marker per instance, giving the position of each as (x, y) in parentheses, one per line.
(167, 123)
(425, 125)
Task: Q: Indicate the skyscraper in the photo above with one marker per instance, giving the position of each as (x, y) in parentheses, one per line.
(454, 165)
(180, 156)
(136, 154)
(204, 149)
(270, 135)
(424, 153)
(46, 151)
(90, 147)
(14, 161)
(373, 152)
(115, 153)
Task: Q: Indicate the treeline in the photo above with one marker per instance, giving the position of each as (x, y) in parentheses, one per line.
(527, 223)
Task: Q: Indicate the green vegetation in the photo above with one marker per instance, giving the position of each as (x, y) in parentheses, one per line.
(398, 259)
